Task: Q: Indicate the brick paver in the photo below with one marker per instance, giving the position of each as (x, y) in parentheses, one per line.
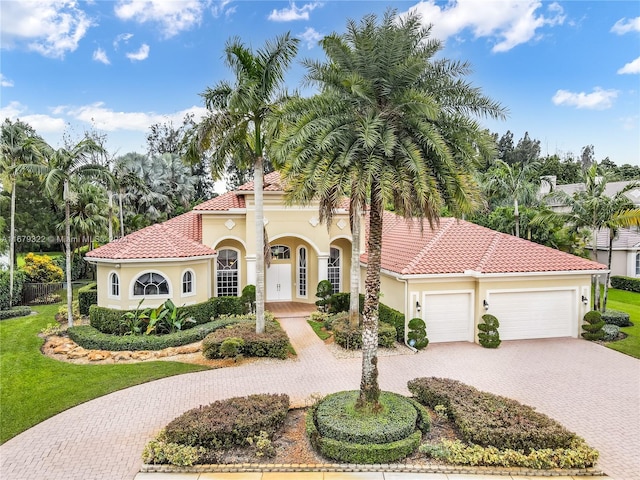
(592, 390)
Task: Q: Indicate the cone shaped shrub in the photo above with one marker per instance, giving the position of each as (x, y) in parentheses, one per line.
(593, 326)
(489, 337)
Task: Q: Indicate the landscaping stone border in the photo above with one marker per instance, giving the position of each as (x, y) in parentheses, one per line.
(338, 467)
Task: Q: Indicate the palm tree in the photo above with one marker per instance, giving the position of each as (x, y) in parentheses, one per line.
(87, 213)
(400, 121)
(19, 144)
(517, 183)
(235, 129)
(65, 165)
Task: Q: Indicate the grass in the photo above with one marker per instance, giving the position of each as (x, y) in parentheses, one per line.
(628, 302)
(318, 328)
(34, 387)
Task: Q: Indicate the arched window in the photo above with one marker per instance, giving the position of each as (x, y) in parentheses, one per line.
(280, 252)
(114, 285)
(227, 273)
(302, 272)
(187, 282)
(333, 272)
(151, 284)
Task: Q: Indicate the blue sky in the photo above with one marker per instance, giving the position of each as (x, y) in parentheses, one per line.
(568, 71)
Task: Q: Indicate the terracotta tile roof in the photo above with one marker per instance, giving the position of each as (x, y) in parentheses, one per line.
(455, 246)
(272, 183)
(222, 203)
(179, 237)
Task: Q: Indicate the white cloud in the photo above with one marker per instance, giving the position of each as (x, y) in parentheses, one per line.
(311, 37)
(40, 122)
(49, 27)
(509, 22)
(101, 56)
(599, 99)
(123, 37)
(631, 67)
(173, 17)
(219, 8)
(5, 82)
(623, 26)
(293, 12)
(140, 55)
(630, 123)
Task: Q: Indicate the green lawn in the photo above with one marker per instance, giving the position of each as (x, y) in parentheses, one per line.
(34, 387)
(318, 328)
(627, 302)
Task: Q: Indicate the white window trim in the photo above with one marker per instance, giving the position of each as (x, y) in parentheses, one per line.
(636, 265)
(193, 283)
(139, 297)
(239, 270)
(298, 271)
(340, 267)
(110, 285)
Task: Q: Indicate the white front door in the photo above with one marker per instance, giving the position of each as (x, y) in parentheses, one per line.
(279, 283)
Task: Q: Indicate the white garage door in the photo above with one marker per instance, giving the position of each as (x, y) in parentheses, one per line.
(534, 314)
(448, 317)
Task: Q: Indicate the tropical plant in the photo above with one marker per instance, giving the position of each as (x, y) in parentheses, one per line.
(63, 166)
(399, 119)
(19, 144)
(324, 292)
(235, 128)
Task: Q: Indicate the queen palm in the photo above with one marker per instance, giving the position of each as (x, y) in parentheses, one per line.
(19, 144)
(399, 122)
(235, 129)
(64, 165)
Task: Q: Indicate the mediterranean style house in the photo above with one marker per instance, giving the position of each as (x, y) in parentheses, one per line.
(449, 275)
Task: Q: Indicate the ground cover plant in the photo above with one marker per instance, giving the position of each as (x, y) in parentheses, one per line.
(34, 387)
(628, 302)
(496, 430)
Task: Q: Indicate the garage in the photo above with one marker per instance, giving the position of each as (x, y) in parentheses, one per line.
(534, 313)
(448, 316)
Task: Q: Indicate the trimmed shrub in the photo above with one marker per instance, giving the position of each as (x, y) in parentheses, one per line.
(41, 269)
(15, 312)
(616, 317)
(274, 342)
(18, 283)
(231, 347)
(92, 339)
(324, 293)
(593, 326)
(228, 423)
(610, 332)
(491, 420)
(87, 296)
(159, 451)
(577, 455)
(626, 283)
(351, 338)
(417, 336)
(489, 337)
(248, 298)
(339, 302)
(227, 306)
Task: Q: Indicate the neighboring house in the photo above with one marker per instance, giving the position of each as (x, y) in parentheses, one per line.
(625, 259)
(449, 275)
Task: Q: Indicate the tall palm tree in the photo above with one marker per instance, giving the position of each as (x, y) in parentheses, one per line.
(88, 214)
(235, 129)
(399, 121)
(19, 144)
(517, 183)
(63, 166)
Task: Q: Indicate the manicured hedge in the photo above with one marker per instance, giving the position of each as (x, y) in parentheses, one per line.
(490, 420)
(351, 338)
(87, 296)
(228, 423)
(626, 283)
(108, 320)
(615, 317)
(339, 302)
(92, 339)
(18, 283)
(274, 342)
(15, 312)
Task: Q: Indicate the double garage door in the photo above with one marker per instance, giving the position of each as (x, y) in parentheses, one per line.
(522, 314)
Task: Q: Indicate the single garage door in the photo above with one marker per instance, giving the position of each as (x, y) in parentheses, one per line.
(534, 314)
(448, 317)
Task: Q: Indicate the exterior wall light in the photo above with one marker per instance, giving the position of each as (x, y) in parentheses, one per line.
(418, 308)
(485, 304)
(584, 300)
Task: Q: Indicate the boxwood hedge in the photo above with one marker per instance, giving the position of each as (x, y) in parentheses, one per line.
(274, 342)
(626, 283)
(87, 296)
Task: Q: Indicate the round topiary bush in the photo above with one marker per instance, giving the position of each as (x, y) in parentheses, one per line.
(417, 336)
(489, 337)
(341, 432)
(593, 326)
(610, 332)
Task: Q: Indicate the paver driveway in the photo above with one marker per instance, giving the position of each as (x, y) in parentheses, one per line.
(590, 389)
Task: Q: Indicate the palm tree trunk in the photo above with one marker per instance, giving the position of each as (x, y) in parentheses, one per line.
(516, 215)
(606, 283)
(67, 246)
(121, 213)
(258, 181)
(369, 389)
(12, 239)
(110, 195)
(354, 286)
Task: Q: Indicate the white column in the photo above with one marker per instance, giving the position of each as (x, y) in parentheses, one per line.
(323, 267)
(251, 269)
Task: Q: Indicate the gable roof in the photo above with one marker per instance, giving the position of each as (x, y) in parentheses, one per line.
(456, 246)
(627, 239)
(179, 237)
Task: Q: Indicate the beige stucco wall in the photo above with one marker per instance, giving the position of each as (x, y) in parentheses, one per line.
(622, 262)
(172, 272)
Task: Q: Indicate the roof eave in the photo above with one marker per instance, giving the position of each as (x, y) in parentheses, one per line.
(149, 260)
